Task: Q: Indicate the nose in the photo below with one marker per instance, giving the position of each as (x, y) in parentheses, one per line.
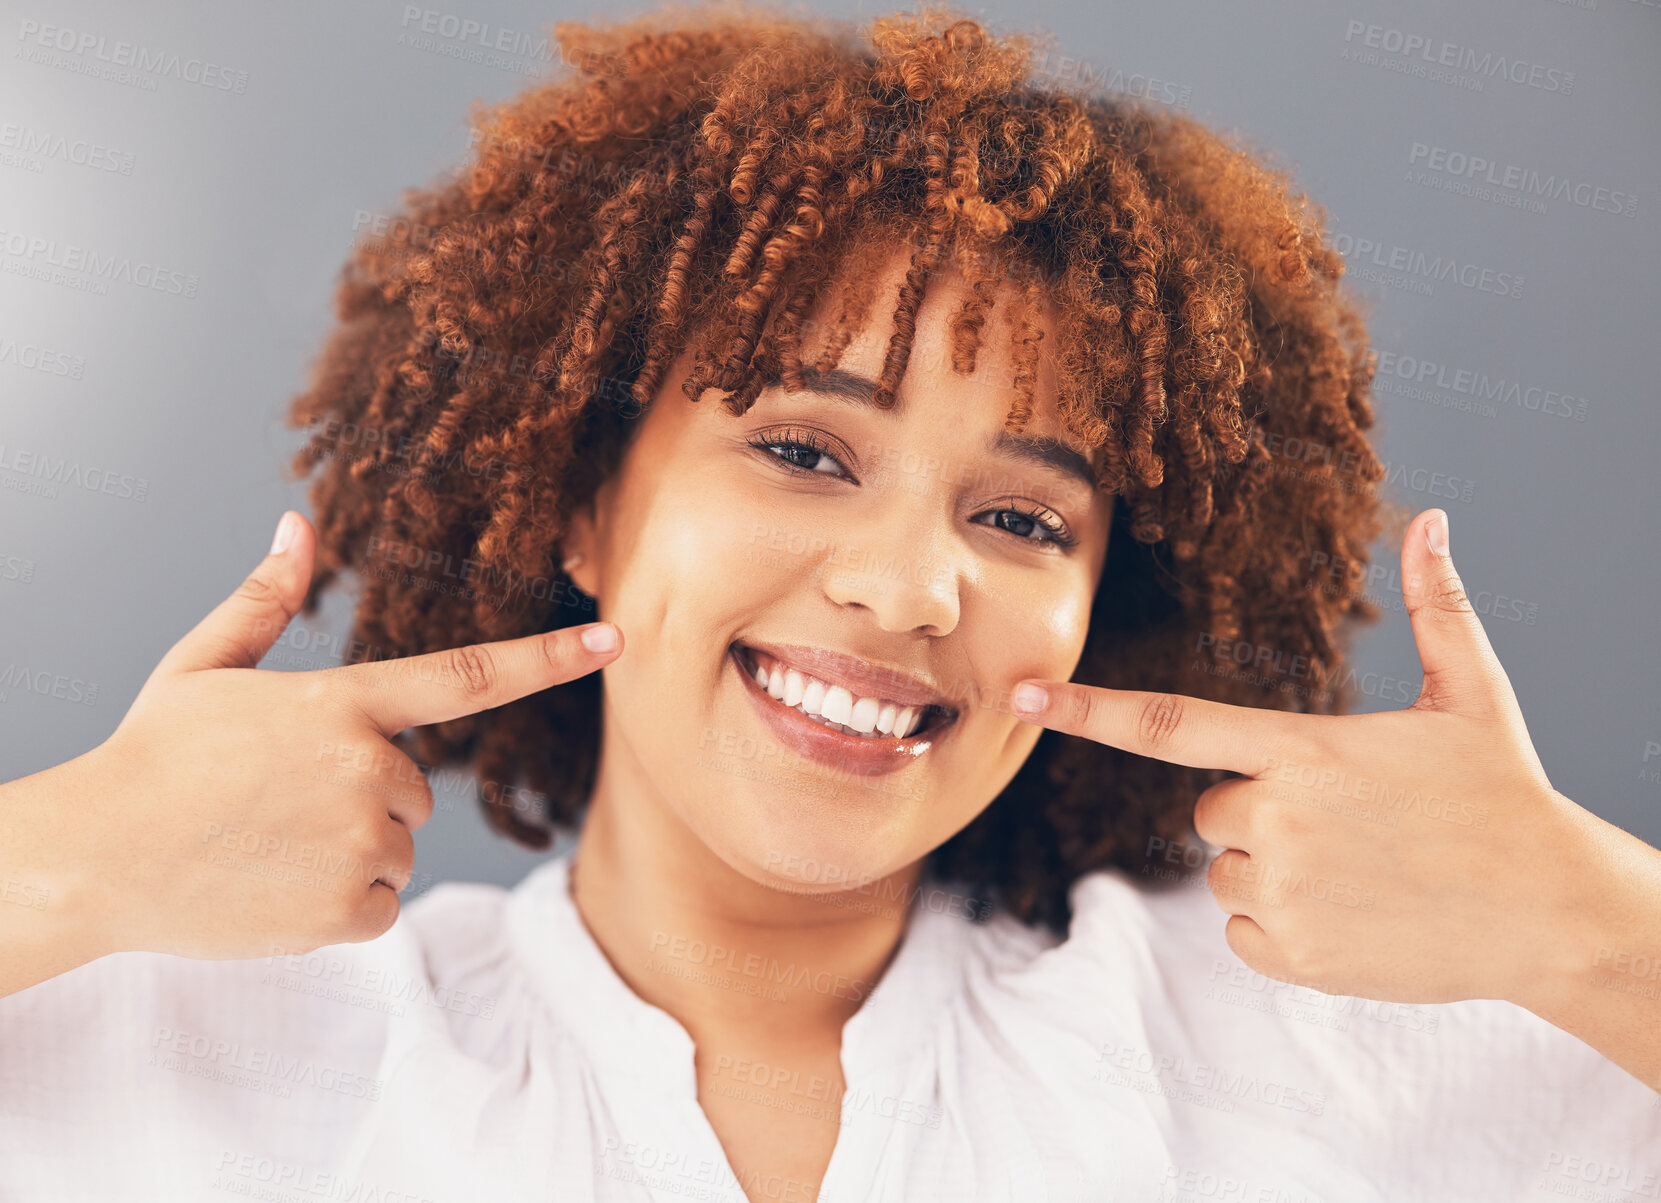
(904, 590)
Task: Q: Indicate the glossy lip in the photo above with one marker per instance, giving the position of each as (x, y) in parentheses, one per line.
(851, 753)
(859, 677)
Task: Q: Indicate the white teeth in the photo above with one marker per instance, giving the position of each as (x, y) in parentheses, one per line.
(864, 716)
(835, 706)
(795, 685)
(839, 705)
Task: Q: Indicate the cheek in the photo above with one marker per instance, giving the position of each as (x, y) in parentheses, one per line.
(1032, 627)
(690, 572)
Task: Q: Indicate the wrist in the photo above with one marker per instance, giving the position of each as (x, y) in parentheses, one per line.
(48, 869)
(1604, 925)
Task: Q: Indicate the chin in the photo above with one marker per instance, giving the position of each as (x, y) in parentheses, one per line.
(809, 836)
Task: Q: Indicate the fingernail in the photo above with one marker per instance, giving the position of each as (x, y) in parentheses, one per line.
(1030, 699)
(284, 535)
(1436, 533)
(601, 637)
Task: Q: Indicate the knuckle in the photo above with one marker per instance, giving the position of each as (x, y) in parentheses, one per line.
(419, 799)
(473, 669)
(1274, 821)
(1208, 811)
(1299, 962)
(555, 652)
(1222, 877)
(341, 915)
(1296, 750)
(1203, 806)
(257, 589)
(1159, 721)
(1233, 933)
(1081, 708)
(1448, 593)
(313, 688)
(361, 833)
(374, 915)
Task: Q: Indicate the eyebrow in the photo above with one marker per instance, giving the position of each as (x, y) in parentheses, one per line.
(1038, 449)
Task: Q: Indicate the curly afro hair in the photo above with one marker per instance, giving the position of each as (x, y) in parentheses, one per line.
(692, 186)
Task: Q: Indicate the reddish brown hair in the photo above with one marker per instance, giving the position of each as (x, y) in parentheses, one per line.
(695, 183)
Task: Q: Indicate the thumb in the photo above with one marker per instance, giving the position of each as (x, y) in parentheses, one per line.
(1462, 673)
(241, 629)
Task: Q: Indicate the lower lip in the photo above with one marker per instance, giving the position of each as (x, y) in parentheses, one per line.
(852, 753)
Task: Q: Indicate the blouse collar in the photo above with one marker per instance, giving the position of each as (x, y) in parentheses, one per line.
(623, 1033)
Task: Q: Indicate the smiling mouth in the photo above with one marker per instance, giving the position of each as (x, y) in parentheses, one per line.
(873, 719)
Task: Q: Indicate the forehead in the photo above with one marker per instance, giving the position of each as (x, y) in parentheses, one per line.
(934, 345)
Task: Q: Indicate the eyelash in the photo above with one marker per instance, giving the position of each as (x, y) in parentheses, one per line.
(808, 440)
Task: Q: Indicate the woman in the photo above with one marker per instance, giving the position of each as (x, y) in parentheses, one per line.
(932, 618)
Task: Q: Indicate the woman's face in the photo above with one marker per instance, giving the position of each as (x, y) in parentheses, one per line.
(904, 568)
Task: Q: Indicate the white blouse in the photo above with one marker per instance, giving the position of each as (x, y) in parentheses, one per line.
(484, 1049)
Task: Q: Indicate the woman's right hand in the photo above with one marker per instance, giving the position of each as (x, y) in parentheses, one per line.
(240, 812)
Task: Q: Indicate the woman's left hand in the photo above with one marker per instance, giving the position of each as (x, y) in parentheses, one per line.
(1417, 855)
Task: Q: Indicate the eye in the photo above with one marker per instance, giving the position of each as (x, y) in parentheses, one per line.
(801, 450)
(1035, 525)
(807, 452)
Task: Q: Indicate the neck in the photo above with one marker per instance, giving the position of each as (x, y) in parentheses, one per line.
(714, 948)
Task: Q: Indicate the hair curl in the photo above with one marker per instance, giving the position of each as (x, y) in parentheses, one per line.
(695, 184)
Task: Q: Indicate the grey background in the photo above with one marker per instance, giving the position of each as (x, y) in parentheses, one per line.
(256, 194)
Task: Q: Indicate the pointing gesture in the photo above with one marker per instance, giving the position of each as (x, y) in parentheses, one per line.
(1418, 855)
(240, 812)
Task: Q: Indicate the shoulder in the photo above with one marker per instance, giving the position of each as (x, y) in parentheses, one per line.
(194, 1070)
(1146, 982)
(121, 1014)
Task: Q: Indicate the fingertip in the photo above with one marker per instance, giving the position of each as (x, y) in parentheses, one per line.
(283, 538)
(1029, 698)
(290, 536)
(602, 638)
(1436, 532)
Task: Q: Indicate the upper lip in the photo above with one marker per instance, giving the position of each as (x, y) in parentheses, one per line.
(857, 675)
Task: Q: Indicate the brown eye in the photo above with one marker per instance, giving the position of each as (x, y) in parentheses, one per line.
(1032, 527)
(802, 453)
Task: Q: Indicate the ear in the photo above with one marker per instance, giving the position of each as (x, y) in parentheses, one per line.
(583, 547)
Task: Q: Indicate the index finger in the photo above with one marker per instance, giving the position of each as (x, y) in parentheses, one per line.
(438, 686)
(1166, 726)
